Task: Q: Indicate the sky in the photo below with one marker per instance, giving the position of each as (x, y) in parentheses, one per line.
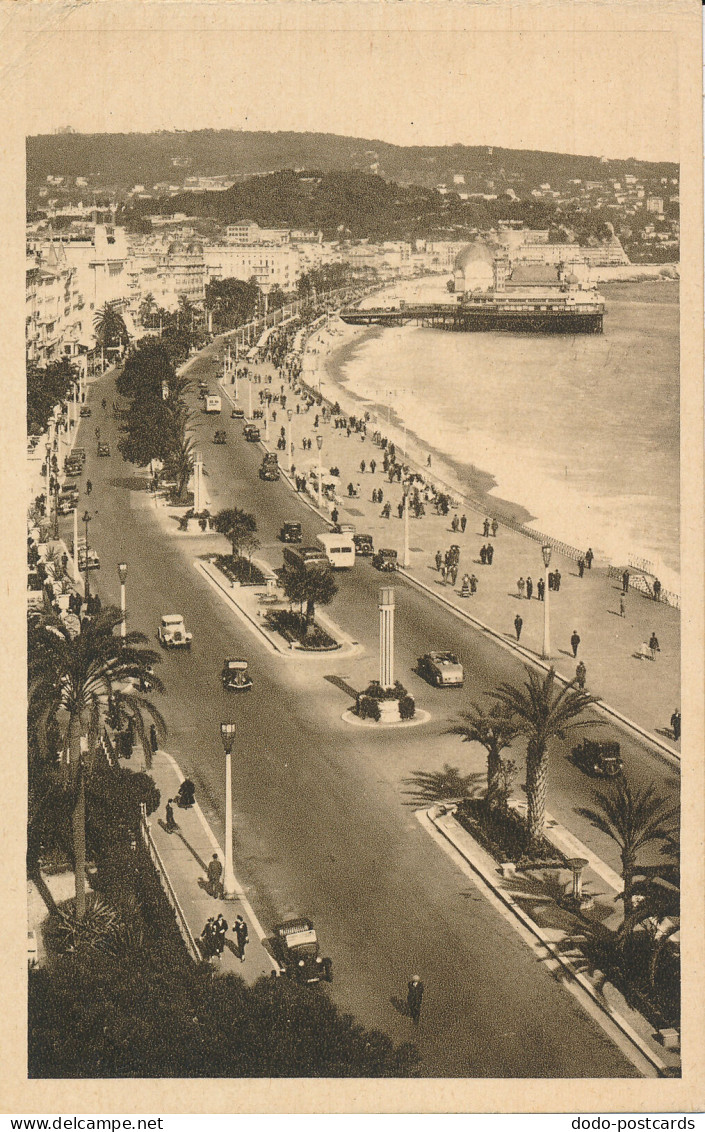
(593, 92)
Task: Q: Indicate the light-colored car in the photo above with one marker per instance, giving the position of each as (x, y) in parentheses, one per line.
(172, 632)
(442, 669)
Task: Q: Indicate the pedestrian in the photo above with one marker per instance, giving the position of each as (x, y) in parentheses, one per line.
(373, 465)
(207, 939)
(335, 515)
(242, 936)
(439, 561)
(89, 487)
(444, 573)
(557, 580)
(363, 465)
(380, 495)
(215, 877)
(428, 461)
(64, 563)
(414, 998)
(589, 557)
(622, 604)
(473, 584)
(220, 927)
(463, 522)
(518, 623)
(657, 590)
(489, 553)
(529, 588)
(483, 555)
(625, 580)
(486, 529)
(676, 724)
(400, 509)
(171, 824)
(453, 574)
(455, 524)
(551, 581)
(581, 567)
(541, 590)
(495, 528)
(580, 675)
(465, 586)
(574, 642)
(520, 587)
(386, 510)
(654, 646)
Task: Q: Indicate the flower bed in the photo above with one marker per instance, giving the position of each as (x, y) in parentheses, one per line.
(239, 570)
(502, 832)
(292, 627)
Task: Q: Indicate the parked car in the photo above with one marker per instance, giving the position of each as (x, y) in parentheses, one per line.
(385, 559)
(364, 545)
(235, 676)
(296, 950)
(72, 466)
(291, 532)
(442, 669)
(238, 414)
(79, 454)
(251, 432)
(172, 632)
(219, 436)
(603, 760)
(85, 411)
(88, 560)
(66, 503)
(103, 449)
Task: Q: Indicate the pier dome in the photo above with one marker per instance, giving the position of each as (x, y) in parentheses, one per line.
(473, 267)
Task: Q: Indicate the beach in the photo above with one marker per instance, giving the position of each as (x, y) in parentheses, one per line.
(578, 435)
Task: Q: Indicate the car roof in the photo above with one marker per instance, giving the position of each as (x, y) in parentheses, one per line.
(171, 618)
(235, 662)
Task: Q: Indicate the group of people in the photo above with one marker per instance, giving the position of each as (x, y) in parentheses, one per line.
(211, 941)
(447, 565)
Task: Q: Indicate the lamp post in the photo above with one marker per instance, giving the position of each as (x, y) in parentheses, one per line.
(405, 559)
(122, 574)
(227, 734)
(546, 654)
(289, 445)
(266, 419)
(249, 396)
(75, 543)
(86, 518)
(319, 442)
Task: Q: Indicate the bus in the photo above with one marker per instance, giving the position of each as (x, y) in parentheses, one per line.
(338, 548)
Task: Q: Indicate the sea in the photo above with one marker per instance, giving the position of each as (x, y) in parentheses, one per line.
(580, 432)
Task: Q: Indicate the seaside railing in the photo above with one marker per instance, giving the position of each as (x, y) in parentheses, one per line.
(182, 922)
(643, 585)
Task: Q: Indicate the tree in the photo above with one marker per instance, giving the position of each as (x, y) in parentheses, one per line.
(148, 307)
(238, 527)
(633, 818)
(309, 588)
(71, 680)
(109, 327)
(232, 301)
(494, 730)
(543, 713)
(179, 462)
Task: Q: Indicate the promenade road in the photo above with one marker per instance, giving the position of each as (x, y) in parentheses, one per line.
(322, 824)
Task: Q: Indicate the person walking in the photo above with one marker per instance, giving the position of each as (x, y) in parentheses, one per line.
(541, 590)
(171, 824)
(581, 567)
(486, 529)
(518, 623)
(495, 528)
(489, 553)
(207, 939)
(529, 588)
(363, 465)
(400, 509)
(335, 515)
(414, 998)
(89, 487)
(676, 725)
(589, 557)
(242, 937)
(463, 522)
(439, 561)
(625, 580)
(657, 590)
(455, 524)
(574, 642)
(483, 555)
(654, 646)
(220, 927)
(557, 580)
(444, 573)
(473, 584)
(580, 675)
(453, 574)
(622, 604)
(215, 877)
(373, 465)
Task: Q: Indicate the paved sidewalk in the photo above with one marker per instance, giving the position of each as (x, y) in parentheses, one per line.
(185, 855)
(645, 691)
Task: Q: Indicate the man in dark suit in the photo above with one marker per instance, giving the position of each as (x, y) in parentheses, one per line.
(414, 997)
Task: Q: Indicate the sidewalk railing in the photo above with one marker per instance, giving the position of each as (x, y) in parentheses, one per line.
(642, 584)
(182, 922)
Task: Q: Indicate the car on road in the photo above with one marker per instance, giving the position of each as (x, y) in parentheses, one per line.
(85, 411)
(296, 950)
(235, 676)
(172, 632)
(269, 468)
(72, 466)
(364, 545)
(238, 414)
(68, 499)
(87, 560)
(103, 449)
(251, 432)
(603, 760)
(442, 669)
(219, 436)
(291, 532)
(385, 559)
(79, 454)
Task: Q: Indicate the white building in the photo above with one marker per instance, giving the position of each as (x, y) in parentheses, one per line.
(271, 265)
(247, 232)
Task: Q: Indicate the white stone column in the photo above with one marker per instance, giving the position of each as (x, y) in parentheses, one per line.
(386, 637)
(197, 485)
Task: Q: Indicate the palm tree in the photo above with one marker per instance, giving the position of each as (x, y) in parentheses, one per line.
(147, 307)
(633, 818)
(494, 729)
(71, 680)
(309, 588)
(109, 327)
(543, 713)
(179, 463)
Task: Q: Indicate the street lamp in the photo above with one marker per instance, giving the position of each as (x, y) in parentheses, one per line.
(289, 445)
(86, 518)
(546, 553)
(122, 574)
(319, 442)
(249, 396)
(405, 559)
(227, 734)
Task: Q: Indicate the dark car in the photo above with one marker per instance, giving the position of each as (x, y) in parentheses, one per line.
(364, 545)
(219, 437)
(291, 532)
(85, 411)
(237, 414)
(385, 559)
(269, 469)
(103, 449)
(603, 760)
(235, 676)
(251, 432)
(295, 946)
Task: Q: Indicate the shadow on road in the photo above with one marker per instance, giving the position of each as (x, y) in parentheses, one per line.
(339, 682)
(399, 1005)
(442, 785)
